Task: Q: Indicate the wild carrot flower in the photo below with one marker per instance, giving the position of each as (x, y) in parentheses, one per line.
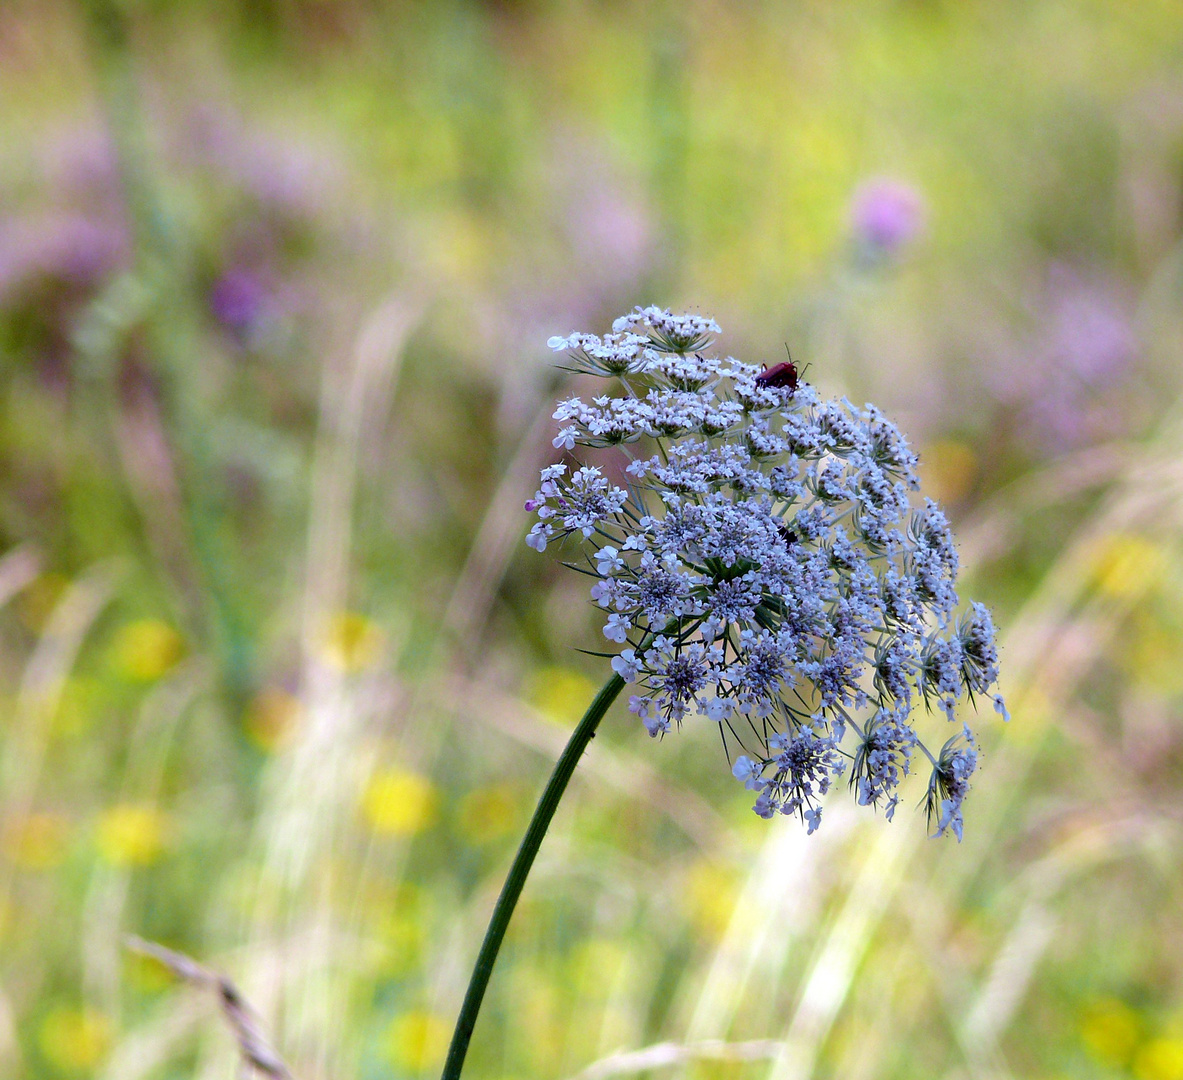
(760, 561)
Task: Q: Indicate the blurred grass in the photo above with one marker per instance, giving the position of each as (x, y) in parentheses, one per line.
(280, 682)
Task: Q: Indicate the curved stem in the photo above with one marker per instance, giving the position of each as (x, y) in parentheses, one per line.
(522, 862)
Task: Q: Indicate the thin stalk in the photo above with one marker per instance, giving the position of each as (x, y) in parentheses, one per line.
(162, 267)
(522, 862)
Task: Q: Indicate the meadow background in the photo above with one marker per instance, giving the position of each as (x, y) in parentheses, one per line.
(279, 680)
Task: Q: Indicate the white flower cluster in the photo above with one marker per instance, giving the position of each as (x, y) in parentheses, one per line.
(761, 562)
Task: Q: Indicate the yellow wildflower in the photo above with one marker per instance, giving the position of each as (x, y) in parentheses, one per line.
(351, 642)
(146, 649)
(1126, 565)
(417, 1040)
(74, 1040)
(1110, 1029)
(560, 694)
(271, 718)
(709, 896)
(400, 803)
(130, 834)
(1160, 1059)
(489, 813)
(950, 468)
(35, 841)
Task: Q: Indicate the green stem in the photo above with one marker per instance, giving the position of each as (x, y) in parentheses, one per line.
(522, 862)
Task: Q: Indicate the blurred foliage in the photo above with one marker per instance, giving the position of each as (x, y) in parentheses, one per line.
(280, 681)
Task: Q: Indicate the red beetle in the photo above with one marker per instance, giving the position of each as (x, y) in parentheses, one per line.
(782, 374)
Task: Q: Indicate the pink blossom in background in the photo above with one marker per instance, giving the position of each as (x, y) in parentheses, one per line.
(239, 298)
(1062, 384)
(285, 173)
(78, 165)
(71, 248)
(1090, 336)
(886, 214)
(606, 226)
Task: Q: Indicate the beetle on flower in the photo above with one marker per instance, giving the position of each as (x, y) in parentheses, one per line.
(766, 567)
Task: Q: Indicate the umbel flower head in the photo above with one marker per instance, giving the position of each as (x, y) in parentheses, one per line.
(761, 562)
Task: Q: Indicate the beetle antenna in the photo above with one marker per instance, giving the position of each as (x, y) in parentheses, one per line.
(802, 372)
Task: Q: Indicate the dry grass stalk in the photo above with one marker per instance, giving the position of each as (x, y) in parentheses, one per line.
(257, 1053)
(670, 1053)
